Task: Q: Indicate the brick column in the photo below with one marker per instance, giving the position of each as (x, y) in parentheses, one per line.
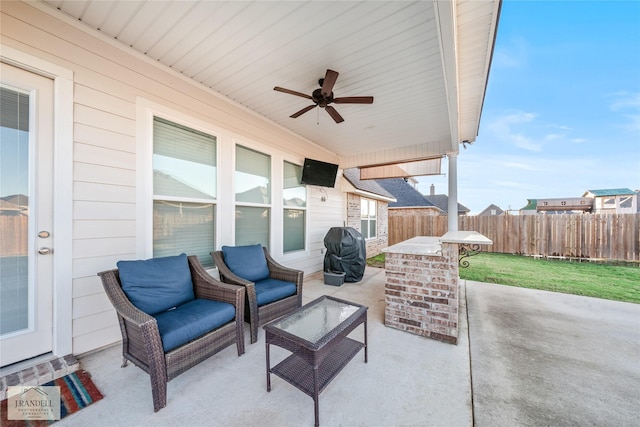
(421, 293)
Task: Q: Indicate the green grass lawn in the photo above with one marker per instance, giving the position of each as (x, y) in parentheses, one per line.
(607, 281)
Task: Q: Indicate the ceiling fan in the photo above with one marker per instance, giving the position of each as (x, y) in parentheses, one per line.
(324, 96)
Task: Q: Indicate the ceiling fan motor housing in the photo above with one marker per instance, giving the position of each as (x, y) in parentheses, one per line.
(321, 100)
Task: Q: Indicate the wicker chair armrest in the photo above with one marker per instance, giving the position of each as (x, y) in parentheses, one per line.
(207, 287)
(136, 317)
(130, 315)
(280, 272)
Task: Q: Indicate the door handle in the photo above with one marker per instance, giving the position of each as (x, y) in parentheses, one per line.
(44, 251)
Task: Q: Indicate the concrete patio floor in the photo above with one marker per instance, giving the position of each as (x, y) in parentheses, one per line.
(534, 358)
(408, 380)
(548, 359)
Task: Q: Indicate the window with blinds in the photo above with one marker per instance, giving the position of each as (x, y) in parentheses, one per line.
(295, 208)
(14, 105)
(184, 191)
(253, 197)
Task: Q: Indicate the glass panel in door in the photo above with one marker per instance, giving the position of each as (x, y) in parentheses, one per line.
(14, 210)
(26, 195)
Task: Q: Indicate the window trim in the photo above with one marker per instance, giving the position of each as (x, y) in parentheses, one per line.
(183, 133)
(146, 110)
(369, 217)
(305, 209)
(140, 160)
(236, 203)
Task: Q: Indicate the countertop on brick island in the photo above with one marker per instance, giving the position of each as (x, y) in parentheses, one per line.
(422, 284)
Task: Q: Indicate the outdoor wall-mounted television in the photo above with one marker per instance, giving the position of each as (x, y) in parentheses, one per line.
(315, 172)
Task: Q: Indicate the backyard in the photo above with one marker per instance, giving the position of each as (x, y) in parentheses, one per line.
(599, 280)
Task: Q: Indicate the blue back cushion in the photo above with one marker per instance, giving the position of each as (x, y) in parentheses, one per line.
(192, 320)
(247, 262)
(157, 284)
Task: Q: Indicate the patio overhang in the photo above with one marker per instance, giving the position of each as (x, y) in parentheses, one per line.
(421, 167)
(426, 63)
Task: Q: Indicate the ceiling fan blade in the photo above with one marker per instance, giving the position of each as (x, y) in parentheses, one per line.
(304, 110)
(329, 80)
(334, 114)
(354, 100)
(292, 92)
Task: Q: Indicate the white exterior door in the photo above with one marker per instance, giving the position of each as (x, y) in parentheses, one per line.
(26, 215)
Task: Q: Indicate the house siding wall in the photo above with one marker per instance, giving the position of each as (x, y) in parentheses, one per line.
(108, 84)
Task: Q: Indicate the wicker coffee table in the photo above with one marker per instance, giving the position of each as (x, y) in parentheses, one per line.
(316, 334)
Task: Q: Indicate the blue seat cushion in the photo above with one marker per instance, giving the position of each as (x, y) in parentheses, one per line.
(247, 262)
(270, 290)
(191, 320)
(157, 284)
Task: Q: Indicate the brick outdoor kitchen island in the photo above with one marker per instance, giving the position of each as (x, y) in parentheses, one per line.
(422, 283)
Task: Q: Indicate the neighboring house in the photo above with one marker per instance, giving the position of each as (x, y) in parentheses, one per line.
(442, 202)
(407, 196)
(616, 200)
(158, 132)
(492, 210)
(531, 208)
(409, 201)
(367, 210)
(9, 208)
(564, 205)
(17, 199)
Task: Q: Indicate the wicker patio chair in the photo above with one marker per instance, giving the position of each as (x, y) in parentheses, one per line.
(141, 340)
(258, 314)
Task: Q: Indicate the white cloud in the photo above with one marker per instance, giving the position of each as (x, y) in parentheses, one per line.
(504, 59)
(628, 105)
(503, 128)
(553, 136)
(624, 101)
(507, 184)
(633, 122)
(522, 166)
(525, 143)
(514, 54)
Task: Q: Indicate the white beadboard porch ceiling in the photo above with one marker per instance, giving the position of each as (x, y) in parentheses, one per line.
(426, 63)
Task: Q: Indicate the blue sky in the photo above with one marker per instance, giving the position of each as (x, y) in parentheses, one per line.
(562, 108)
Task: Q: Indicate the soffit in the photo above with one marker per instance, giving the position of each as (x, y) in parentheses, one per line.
(392, 50)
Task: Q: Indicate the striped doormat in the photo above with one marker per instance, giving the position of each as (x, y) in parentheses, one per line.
(77, 391)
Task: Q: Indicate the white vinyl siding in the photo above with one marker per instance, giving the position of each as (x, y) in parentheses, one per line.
(112, 90)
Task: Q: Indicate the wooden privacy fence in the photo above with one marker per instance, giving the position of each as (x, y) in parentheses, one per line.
(589, 236)
(13, 235)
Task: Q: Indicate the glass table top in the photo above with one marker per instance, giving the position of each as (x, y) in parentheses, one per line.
(316, 320)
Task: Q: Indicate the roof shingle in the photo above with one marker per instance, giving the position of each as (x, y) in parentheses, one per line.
(369, 185)
(405, 194)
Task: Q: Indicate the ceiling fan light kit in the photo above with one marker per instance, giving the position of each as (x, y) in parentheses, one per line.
(323, 96)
